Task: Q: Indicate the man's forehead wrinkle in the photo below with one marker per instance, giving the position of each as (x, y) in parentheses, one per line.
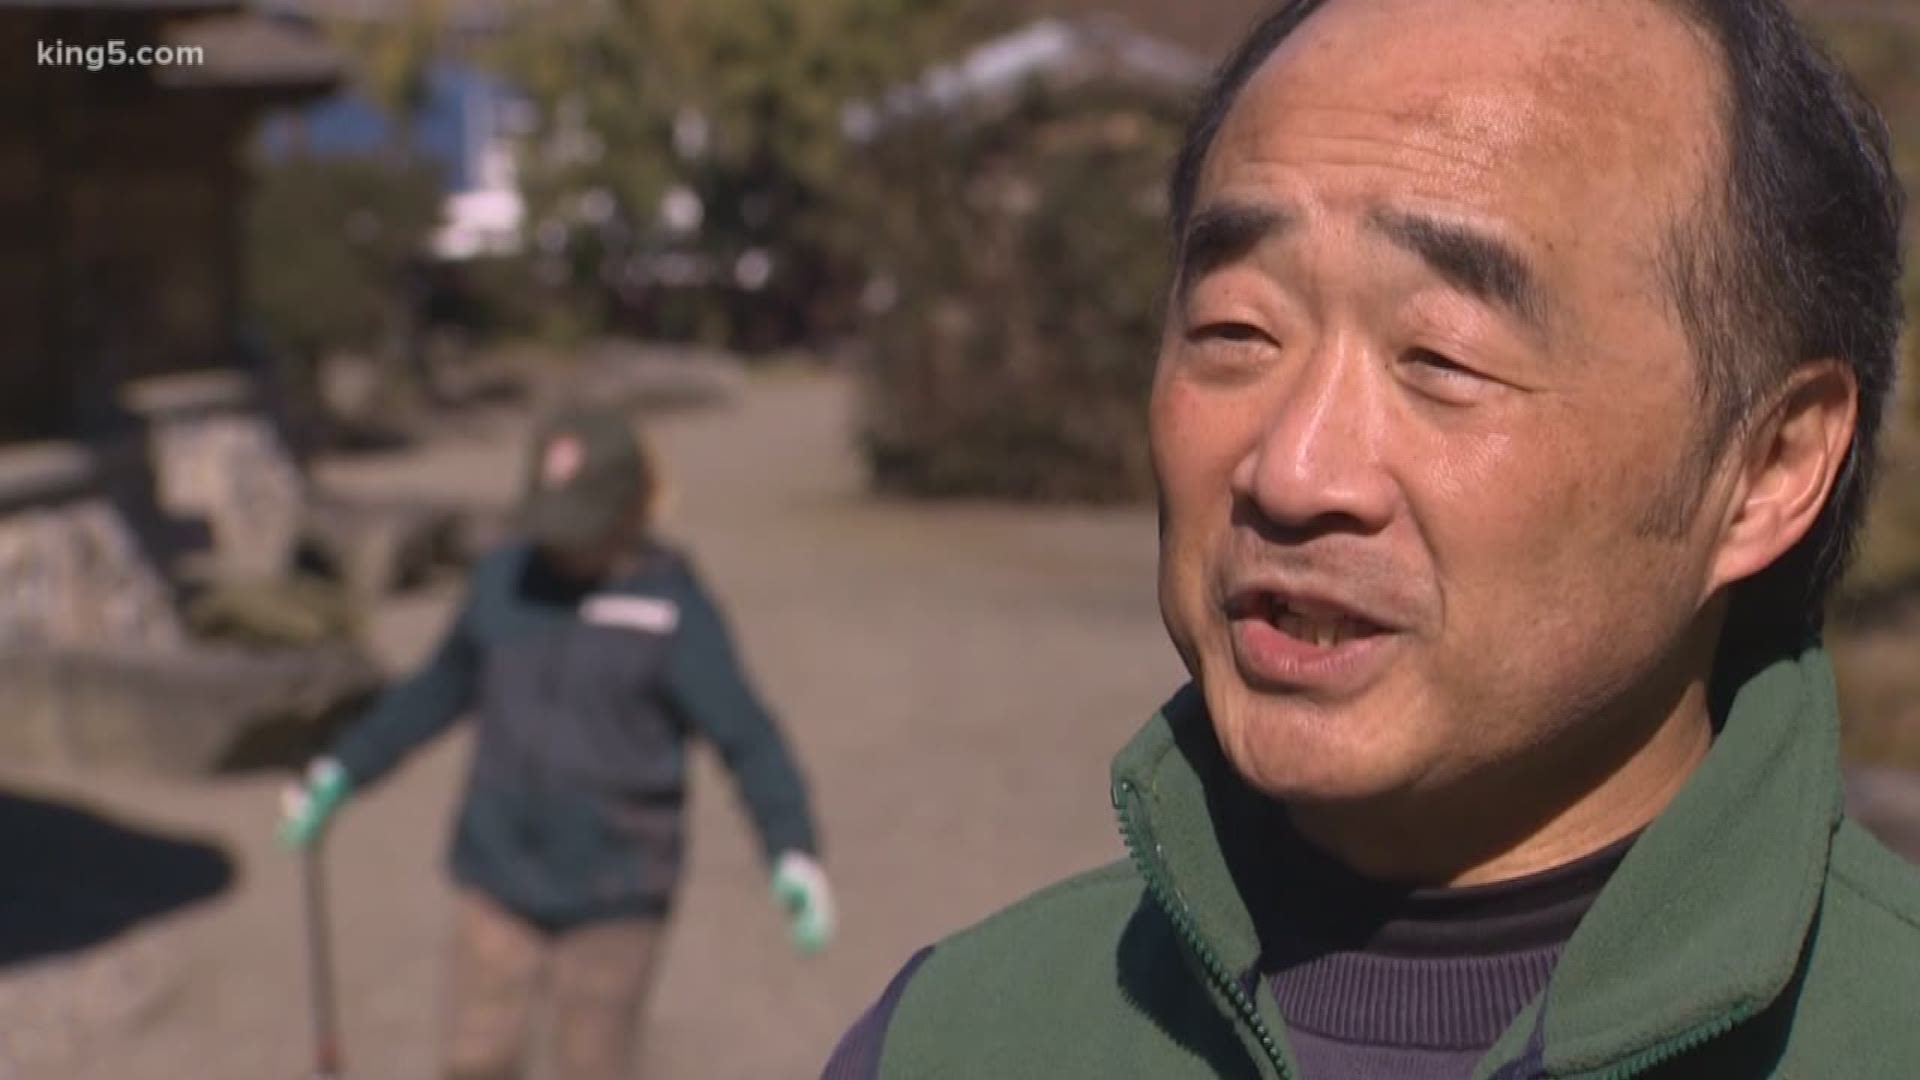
(1296, 110)
(1368, 148)
(1287, 145)
(1472, 128)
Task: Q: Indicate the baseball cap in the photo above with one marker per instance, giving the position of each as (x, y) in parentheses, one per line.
(584, 473)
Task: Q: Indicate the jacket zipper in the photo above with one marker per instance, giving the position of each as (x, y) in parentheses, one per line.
(1163, 895)
(1684, 1043)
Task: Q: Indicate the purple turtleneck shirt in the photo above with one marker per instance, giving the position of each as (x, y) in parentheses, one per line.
(1388, 983)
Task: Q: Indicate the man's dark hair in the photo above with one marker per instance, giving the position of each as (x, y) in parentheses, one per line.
(1795, 257)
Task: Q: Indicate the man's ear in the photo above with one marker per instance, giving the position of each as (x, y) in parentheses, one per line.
(1790, 464)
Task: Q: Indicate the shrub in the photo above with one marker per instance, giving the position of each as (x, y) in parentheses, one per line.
(327, 244)
(1884, 56)
(732, 109)
(1021, 283)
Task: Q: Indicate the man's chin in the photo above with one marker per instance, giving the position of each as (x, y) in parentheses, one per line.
(1299, 754)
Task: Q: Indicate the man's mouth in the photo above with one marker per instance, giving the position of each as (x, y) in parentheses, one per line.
(1322, 623)
(1320, 626)
(1292, 640)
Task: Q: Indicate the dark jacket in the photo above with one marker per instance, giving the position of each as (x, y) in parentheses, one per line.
(585, 698)
(1751, 931)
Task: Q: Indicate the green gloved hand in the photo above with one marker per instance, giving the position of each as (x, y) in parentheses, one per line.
(800, 888)
(306, 808)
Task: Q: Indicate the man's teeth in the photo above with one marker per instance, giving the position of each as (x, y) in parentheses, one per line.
(1323, 631)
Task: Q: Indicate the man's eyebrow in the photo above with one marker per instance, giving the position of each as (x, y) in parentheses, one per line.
(1475, 262)
(1217, 235)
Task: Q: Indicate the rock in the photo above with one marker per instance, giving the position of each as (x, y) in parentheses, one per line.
(377, 547)
(74, 573)
(232, 471)
(41, 474)
(185, 712)
(97, 666)
(215, 455)
(349, 384)
(296, 611)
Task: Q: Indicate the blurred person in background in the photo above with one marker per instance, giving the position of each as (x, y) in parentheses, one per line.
(1514, 417)
(588, 654)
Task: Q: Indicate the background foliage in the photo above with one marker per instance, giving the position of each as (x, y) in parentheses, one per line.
(1022, 284)
(328, 246)
(1883, 53)
(733, 105)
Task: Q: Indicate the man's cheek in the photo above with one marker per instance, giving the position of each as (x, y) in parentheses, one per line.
(1183, 609)
(1197, 424)
(1531, 500)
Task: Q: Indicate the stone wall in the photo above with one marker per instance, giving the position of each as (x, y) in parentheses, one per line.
(232, 472)
(88, 535)
(98, 665)
(73, 570)
(76, 575)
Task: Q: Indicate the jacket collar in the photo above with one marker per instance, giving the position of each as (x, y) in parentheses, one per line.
(1701, 927)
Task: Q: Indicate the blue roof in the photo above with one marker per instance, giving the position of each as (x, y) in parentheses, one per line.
(461, 112)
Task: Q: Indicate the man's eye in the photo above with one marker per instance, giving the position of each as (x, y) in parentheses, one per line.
(1227, 353)
(1435, 363)
(1233, 333)
(1445, 379)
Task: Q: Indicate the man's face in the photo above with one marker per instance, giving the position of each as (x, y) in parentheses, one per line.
(1423, 390)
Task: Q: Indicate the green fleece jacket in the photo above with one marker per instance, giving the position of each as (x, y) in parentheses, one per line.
(1752, 931)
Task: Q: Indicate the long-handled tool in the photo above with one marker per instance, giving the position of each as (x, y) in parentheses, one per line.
(326, 1020)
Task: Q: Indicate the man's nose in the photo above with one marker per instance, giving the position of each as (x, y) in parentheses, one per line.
(1316, 465)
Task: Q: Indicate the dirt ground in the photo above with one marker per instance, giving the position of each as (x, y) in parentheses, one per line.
(954, 679)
